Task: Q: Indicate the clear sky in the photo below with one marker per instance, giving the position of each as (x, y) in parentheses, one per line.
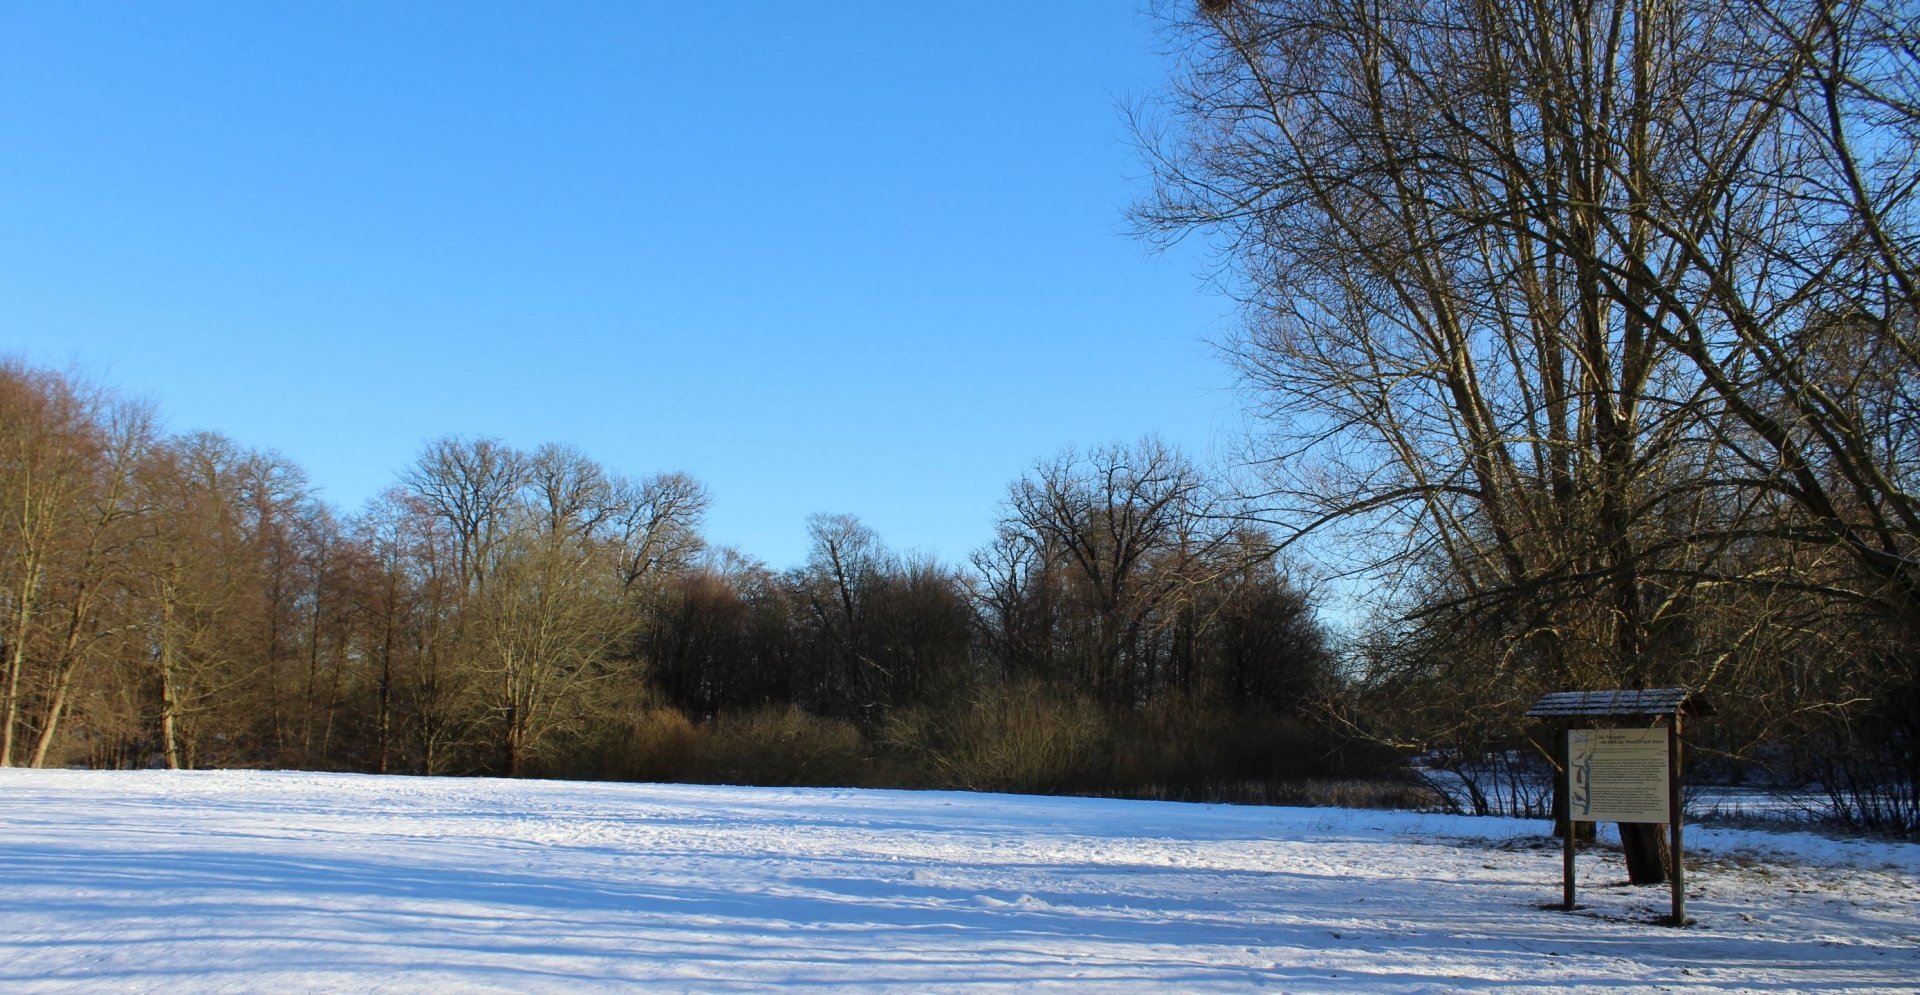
(845, 257)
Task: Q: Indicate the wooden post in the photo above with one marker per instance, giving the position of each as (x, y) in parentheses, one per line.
(1678, 872)
(1566, 856)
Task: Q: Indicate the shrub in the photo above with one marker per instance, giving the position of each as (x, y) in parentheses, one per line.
(642, 742)
(781, 745)
(1024, 738)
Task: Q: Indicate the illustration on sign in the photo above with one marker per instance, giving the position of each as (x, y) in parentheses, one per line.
(1617, 775)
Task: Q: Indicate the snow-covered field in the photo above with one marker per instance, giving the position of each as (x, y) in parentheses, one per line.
(242, 881)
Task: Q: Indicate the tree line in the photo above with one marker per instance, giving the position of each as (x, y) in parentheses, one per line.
(184, 601)
(1590, 333)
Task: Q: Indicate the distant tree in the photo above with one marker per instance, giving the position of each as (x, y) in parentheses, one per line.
(920, 623)
(556, 561)
(656, 527)
(1126, 534)
(474, 487)
(836, 590)
(724, 638)
(395, 587)
(67, 453)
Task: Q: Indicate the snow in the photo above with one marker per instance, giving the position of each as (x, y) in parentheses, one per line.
(250, 881)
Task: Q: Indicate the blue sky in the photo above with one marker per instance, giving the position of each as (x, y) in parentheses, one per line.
(863, 258)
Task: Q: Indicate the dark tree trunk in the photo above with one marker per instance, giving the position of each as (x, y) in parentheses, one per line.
(1645, 845)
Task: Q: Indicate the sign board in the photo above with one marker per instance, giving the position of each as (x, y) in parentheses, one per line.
(1617, 775)
(1624, 775)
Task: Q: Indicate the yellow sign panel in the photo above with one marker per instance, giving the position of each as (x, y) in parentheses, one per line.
(1617, 775)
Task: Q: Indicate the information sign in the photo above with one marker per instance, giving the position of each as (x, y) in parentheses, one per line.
(1617, 775)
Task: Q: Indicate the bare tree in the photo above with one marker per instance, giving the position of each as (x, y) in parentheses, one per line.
(552, 553)
(1531, 291)
(546, 629)
(845, 565)
(93, 580)
(191, 581)
(1123, 536)
(657, 526)
(474, 486)
(44, 454)
(67, 450)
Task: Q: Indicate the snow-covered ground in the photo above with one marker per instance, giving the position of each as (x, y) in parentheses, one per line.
(243, 881)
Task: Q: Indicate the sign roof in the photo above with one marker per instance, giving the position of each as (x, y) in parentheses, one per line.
(1598, 704)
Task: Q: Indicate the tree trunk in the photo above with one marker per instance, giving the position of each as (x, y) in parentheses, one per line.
(16, 656)
(383, 696)
(168, 737)
(11, 713)
(169, 702)
(56, 706)
(510, 762)
(1645, 846)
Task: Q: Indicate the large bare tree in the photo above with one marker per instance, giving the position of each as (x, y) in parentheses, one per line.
(1587, 323)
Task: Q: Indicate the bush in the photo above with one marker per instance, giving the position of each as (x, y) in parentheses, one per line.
(1039, 738)
(1866, 757)
(1028, 738)
(781, 746)
(1189, 751)
(643, 742)
(1031, 738)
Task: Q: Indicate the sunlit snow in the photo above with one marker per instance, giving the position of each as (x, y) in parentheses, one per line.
(250, 881)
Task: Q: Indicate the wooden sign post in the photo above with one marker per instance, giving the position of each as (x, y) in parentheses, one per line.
(1623, 775)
